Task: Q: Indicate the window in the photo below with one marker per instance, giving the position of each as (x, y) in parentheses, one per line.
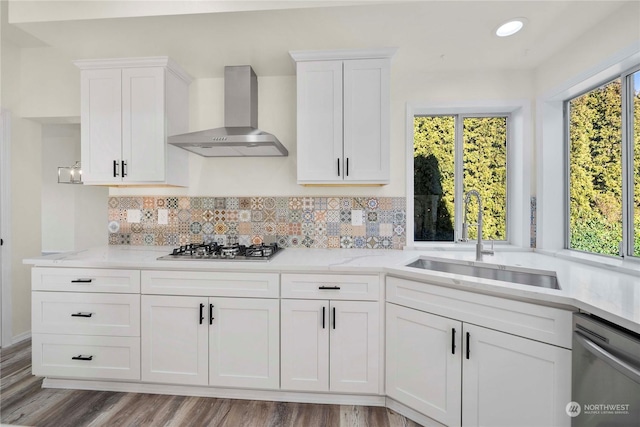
(453, 154)
(603, 138)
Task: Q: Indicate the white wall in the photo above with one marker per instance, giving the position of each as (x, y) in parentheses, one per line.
(592, 59)
(25, 190)
(74, 217)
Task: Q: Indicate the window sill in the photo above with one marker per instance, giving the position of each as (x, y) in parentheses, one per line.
(619, 265)
(466, 246)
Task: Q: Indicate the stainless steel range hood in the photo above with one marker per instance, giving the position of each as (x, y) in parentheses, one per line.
(240, 136)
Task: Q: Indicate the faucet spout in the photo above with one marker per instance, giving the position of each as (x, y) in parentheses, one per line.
(465, 227)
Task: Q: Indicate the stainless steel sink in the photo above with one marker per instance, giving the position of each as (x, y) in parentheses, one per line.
(542, 279)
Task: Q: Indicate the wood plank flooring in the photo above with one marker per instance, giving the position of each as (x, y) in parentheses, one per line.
(24, 402)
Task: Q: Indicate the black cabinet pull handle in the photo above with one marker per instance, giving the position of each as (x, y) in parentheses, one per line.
(338, 166)
(323, 317)
(334, 317)
(124, 170)
(211, 314)
(201, 313)
(81, 314)
(468, 338)
(115, 168)
(81, 357)
(453, 340)
(329, 287)
(347, 166)
(82, 281)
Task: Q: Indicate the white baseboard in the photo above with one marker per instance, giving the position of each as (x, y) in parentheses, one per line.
(407, 412)
(20, 337)
(225, 393)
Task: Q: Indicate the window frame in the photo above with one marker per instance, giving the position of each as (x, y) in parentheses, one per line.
(626, 246)
(519, 166)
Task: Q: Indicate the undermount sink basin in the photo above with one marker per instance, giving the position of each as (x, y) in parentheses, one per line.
(539, 278)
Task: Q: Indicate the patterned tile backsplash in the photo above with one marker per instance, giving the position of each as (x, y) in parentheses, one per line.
(311, 222)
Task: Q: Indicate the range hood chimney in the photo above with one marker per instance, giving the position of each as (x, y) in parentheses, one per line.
(240, 136)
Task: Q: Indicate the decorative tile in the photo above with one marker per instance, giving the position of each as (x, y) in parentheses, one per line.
(256, 216)
(244, 216)
(269, 215)
(320, 204)
(219, 203)
(270, 203)
(308, 222)
(307, 203)
(232, 203)
(333, 241)
(245, 203)
(208, 203)
(346, 242)
(220, 228)
(270, 228)
(372, 203)
(295, 203)
(172, 203)
(207, 227)
(333, 203)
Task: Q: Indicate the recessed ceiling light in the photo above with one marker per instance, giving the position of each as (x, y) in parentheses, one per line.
(510, 27)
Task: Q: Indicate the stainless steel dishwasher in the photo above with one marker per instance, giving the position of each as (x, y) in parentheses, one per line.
(606, 374)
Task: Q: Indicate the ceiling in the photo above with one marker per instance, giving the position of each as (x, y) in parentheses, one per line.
(430, 35)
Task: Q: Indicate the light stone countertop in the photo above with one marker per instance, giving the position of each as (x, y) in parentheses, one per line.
(609, 294)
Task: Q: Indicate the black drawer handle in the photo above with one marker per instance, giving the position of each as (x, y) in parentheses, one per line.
(453, 340)
(211, 314)
(347, 166)
(334, 317)
(115, 168)
(338, 167)
(201, 313)
(81, 280)
(333, 288)
(468, 339)
(323, 317)
(81, 357)
(81, 314)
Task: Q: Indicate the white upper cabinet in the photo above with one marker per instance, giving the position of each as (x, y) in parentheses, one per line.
(128, 109)
(343, 116)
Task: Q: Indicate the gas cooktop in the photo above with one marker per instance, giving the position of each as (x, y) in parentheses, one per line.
(216, 252)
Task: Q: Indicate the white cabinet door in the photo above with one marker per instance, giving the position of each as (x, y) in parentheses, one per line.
(366, 120)
(509, 380)
(423, 362)
(320, 121)
(143, 124)
(354, 347)
(101, 117)
(244, 341)
(305, 345)
(175, 339)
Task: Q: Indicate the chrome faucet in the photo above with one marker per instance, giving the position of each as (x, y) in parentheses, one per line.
(465, 225)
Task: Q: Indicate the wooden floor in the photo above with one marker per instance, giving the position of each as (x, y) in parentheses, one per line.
(24, 402)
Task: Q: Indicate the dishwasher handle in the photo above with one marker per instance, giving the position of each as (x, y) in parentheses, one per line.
(610, 359)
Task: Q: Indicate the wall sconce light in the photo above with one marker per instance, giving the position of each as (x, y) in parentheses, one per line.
(70, 174)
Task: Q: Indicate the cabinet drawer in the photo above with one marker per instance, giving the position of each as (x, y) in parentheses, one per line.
(221, 284)
(537, 322)
(75, 356)
(86, 313)
(85, 280)
(331, 286)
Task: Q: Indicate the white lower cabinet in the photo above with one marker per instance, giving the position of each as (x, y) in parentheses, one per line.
(214, 341)
(330, 346)
(463, 374)
(423, 362)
